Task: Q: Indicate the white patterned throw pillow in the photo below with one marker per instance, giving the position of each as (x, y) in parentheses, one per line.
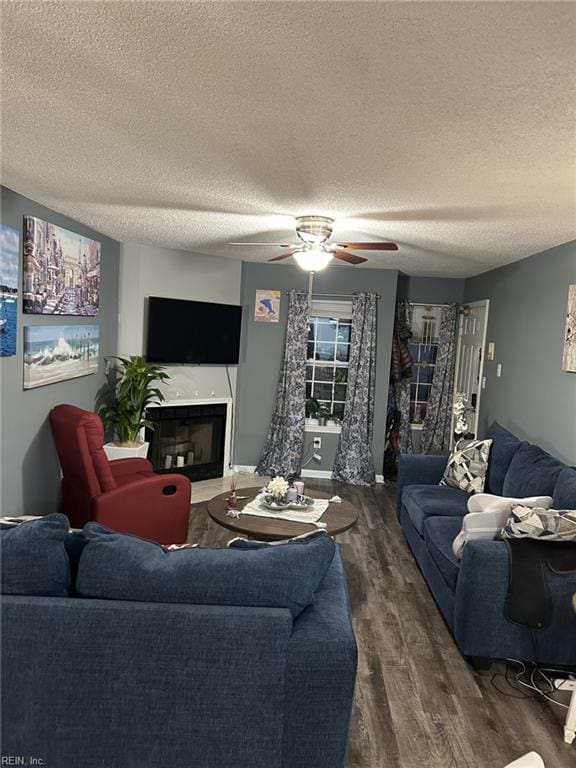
(537, 523)
(467, 466)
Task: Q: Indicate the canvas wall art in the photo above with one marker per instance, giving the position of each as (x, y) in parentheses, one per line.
(9, 254)
(569, 357)
(57, 352)
(267, 306)
(61, 274)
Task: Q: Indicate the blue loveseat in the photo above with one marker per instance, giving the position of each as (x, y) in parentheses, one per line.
(471, 592)
(119, 683)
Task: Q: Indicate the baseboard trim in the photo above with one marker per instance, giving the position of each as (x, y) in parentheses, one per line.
(244, 469)
(325, 474)
(321, 474)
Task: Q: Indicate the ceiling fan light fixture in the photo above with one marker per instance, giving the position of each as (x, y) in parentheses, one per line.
(314, 229)
(313, 259)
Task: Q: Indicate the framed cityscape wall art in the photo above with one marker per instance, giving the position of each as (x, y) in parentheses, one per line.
(9, 253)
(58, 352)
(569, 357)
(61, 274)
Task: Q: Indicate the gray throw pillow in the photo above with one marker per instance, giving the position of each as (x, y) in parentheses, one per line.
(467, 466)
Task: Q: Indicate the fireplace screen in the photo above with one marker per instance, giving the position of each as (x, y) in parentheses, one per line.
(188, 439)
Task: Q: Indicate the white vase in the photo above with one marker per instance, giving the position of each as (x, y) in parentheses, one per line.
(312, 422)
(138, 451)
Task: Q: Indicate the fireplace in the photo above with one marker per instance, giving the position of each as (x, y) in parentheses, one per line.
(189, 439)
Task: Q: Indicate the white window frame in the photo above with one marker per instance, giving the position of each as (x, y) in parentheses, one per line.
(331, 308)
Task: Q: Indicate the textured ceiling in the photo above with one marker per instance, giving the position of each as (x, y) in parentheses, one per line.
(448, 127)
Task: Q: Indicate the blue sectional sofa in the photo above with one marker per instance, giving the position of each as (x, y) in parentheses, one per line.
(471, 592)
(98, 683)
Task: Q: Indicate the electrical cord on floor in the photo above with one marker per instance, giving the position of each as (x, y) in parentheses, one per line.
(310, 457)
(526, 678)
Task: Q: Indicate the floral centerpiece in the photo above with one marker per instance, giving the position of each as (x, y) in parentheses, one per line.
(277, 488)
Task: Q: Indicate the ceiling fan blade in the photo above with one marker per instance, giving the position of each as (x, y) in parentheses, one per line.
(351, 258)
(369, 246)
(278, 245)
(284, 255)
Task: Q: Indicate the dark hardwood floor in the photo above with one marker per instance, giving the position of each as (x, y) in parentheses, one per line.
(418, 703)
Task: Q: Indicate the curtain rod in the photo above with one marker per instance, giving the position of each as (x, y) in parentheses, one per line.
(335, 295)
(428, 304)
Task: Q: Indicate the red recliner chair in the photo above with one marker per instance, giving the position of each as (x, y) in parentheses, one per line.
(125, 495)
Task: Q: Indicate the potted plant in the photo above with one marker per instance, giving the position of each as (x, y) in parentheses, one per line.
(312, 408)
(324, 413)
(333, 421)
(133, 391)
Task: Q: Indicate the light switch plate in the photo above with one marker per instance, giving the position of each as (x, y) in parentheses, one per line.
(499, 370)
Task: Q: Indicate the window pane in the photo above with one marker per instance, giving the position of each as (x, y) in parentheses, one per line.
(323, 391)
(424, 392)
(311, 326)
(308, 390)
(428, 354)
(324, 351)
(326, 331)
(343, 352)
(324, 373)
(309, 369)
(426, 374)
(344, 333)
(340, 392)
(338, 410)
(310, 350)
(341, 376)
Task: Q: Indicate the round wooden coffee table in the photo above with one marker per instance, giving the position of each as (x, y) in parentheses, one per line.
(338, 518)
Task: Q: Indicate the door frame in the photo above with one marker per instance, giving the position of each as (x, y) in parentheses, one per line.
(471, 304)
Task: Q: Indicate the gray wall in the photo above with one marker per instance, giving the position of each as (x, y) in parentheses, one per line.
(534, 398)
(262, 352)
(431, 290)
(30, 474)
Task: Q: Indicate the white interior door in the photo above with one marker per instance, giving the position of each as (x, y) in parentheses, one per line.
(470, 356)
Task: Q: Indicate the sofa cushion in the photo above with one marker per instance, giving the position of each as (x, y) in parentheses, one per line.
(34, 559)
(422, 501)
(565, 490)
(439, 533)
(532, 472)
(504, 447)
(124, 567)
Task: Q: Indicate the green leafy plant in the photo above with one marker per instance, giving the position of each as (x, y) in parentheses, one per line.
(324, 412)
(312, 408)
(133, 392)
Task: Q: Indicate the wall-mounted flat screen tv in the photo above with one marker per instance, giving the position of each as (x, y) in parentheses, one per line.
(193, 332)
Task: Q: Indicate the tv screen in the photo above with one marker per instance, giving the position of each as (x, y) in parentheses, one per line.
(195, 332)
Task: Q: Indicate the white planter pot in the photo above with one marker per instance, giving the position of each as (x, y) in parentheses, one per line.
(332, 423)
(114, 451)
(312, 422)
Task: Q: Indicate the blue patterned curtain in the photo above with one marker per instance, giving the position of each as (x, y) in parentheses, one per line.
(437, 426)
(354, 462)
(284, 448)
(401, 374)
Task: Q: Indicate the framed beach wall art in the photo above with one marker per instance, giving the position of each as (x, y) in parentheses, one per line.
(61, 274)
(9, 253)
(267, 306)
(58, 352)
(569, 357)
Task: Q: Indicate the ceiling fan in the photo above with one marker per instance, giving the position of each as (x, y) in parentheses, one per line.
(314, 253)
